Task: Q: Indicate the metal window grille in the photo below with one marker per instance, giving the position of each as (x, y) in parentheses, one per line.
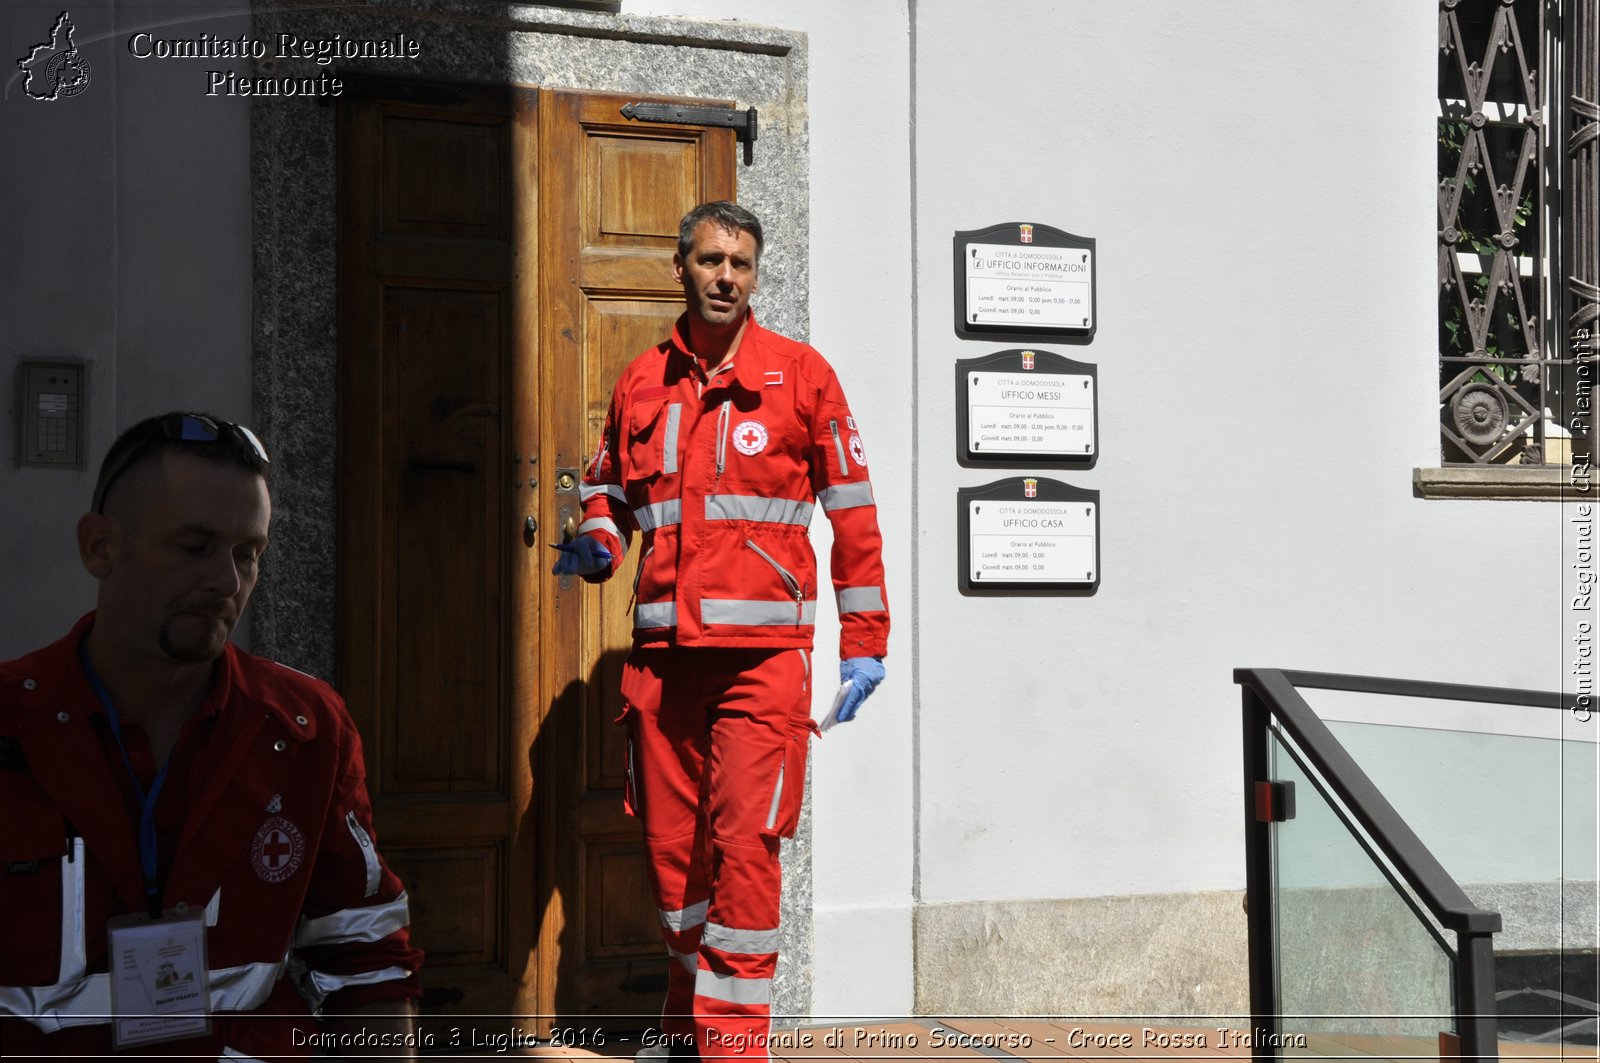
(1516, 207)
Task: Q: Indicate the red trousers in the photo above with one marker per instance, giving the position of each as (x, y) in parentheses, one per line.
(717, 743)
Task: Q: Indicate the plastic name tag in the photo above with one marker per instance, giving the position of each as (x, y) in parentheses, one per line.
(160, 987)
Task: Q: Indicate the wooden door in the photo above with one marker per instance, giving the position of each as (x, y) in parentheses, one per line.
(503, 253)
(613, 192)
(438, 594)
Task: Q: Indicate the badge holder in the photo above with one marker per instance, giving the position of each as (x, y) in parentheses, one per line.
(160, 987)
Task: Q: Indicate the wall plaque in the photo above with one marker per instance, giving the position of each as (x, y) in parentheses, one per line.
(1033, 405)
(1025, 282)
(1028, 533)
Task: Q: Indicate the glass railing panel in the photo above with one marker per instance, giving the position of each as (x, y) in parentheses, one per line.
(1506, 799)
(1360, 970)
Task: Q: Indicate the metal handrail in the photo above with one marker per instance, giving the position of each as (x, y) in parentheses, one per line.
(1417, 688)
(1446, 900)
(1270, 693)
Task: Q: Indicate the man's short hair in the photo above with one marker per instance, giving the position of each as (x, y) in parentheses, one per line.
(183, 432)
(724, 215)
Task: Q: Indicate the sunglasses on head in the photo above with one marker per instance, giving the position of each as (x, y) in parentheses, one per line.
(177, 428)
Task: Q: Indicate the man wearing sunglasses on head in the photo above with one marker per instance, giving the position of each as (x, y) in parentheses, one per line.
(187, 864)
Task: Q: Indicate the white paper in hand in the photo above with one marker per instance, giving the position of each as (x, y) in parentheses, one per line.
(838, 703)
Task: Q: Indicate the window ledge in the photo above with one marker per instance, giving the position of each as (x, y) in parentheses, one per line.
(1549, 483)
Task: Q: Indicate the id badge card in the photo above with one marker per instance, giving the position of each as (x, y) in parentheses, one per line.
(160, 988)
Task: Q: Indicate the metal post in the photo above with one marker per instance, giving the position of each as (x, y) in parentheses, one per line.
(1476, 1012)
(1260, 913)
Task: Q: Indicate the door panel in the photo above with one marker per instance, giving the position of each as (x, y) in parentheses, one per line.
(614, 192)
(435, 592)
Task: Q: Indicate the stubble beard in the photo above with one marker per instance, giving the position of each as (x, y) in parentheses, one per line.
(191, 651)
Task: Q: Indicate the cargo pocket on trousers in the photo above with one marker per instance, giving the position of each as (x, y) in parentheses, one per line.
(789, 788)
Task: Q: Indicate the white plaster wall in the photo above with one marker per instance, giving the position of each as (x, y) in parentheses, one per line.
(126, 225)
(1260, 178)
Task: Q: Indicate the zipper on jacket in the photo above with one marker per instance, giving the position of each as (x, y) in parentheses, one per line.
(838, 445)
(369, 855)
(722, 436)
(638, 574)
(792, 583)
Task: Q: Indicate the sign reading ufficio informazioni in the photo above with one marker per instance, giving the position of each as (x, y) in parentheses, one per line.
(1025, 282)
(1028, 532)
(1031, 405)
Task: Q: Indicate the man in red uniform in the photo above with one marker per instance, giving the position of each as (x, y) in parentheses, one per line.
(187, 864)
(719, 443)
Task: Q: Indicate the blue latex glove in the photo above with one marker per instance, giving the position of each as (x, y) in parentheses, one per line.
(583, 556)
(863, 674)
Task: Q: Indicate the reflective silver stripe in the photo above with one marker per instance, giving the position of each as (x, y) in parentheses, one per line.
(369, 853)
(861, 600)
(777, 798)
(655, 614)
(74, 940)
(87, 1001)
(684, 918)
(726, 987)
(81, 999)
(669, 441)
(588, 491)
(601, 524)
(372, 923)
(659, 514)
(846, 496)
(756, 614)
(325, 984)
(48, 1008)
(689, 960)
(753, 507)
(728, 939)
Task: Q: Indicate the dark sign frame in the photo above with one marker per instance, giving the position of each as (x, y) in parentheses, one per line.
(1010, 234)
(1013, 361)
(1012, 489)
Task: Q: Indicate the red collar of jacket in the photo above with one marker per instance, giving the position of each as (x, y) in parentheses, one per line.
(749, 362)
(55, 667)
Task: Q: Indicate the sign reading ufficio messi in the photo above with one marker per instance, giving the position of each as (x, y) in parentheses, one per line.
(1025, 404)
(1028, 533)
(1024, 282)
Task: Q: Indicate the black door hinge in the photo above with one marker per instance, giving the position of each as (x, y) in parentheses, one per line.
(743, 123)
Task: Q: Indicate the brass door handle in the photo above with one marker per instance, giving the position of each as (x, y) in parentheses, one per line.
(569, 526)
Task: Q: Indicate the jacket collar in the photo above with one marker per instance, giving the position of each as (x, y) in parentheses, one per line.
(749, 363)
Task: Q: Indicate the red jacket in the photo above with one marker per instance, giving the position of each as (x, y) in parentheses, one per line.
(721, 476)
(273, 834)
